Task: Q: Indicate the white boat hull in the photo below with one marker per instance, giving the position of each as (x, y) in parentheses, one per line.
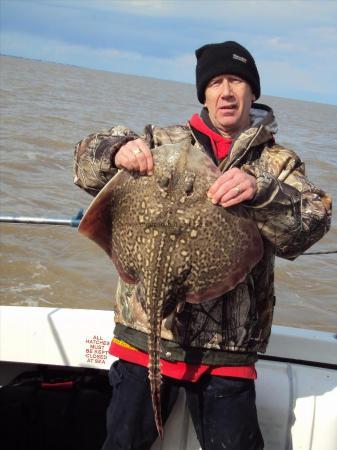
(296, 388)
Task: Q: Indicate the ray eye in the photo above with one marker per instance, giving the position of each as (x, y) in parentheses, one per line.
(189, 187)
(189, 183)
(165, 181)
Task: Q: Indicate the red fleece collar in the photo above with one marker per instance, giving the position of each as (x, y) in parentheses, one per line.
(220, 145)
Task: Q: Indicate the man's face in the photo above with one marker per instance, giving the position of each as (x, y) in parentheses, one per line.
(228, 99)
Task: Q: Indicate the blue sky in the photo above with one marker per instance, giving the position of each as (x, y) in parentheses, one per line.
(294, 42)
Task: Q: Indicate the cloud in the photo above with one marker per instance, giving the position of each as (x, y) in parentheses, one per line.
(286, 12)
(157, 38)
(280, 77)
(279, 43)
(33, 47)
(180, 68)
(83, 24)
(139, 7)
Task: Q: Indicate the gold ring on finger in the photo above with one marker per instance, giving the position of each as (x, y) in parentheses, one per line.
(237, 190)
(136, 151)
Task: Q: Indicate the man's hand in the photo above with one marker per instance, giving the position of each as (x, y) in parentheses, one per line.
(232, 187)
(135, 156)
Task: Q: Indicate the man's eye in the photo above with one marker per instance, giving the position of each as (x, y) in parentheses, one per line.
(215, 82)
(235, 80)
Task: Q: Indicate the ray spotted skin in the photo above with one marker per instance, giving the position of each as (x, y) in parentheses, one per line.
(165, 235)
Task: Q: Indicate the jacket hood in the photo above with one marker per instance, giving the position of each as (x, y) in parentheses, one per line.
(263, 115)
(263, 128)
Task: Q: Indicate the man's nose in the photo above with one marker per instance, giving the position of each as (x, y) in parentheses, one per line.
(226, 89)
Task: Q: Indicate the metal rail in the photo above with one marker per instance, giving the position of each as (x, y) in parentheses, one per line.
(71, 222)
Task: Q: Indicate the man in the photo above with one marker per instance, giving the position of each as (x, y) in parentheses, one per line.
(209, 349)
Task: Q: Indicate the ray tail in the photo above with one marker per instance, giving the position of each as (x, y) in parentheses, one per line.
(156, 283)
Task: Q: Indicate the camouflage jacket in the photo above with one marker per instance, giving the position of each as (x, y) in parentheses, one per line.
(291, 214)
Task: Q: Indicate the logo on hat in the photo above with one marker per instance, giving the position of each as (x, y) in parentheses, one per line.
(239, 58)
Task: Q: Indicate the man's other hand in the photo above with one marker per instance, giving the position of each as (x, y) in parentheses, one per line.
(232, 188)
(135, 156)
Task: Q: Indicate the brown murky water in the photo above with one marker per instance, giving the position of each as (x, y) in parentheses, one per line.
(46, 108)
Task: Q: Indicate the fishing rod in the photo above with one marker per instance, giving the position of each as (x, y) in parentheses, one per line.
(71, 222)
(75, 221)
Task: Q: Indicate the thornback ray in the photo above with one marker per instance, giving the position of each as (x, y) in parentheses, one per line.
(164, 234)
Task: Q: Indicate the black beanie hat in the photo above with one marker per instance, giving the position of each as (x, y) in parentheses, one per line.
(227, 57)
